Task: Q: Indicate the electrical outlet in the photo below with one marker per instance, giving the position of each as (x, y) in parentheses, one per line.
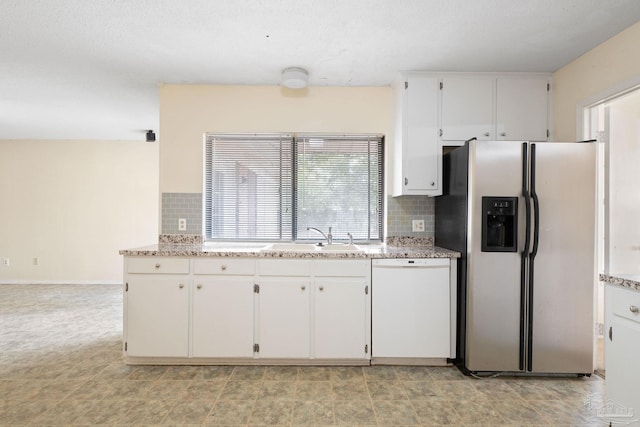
(182, 224)
(5, 262)
(417, 225)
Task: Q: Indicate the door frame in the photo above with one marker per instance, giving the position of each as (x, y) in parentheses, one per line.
(587, 115)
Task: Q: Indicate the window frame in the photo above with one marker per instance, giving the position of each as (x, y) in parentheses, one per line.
(375, 219)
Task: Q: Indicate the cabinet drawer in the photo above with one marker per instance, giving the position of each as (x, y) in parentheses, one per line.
(626, 303)
(155, 265)
(342, 268)
(284, 267)
(225, 266)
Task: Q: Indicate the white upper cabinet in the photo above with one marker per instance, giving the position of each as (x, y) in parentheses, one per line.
(467, 108)
(522, 109)
(417, 155)
(433, 110)
(490, 108)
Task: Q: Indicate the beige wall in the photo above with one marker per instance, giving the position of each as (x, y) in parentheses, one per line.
(603, 68)
(188, 111)
(74, 205)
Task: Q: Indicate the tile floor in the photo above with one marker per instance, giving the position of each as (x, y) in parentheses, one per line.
(60, 364)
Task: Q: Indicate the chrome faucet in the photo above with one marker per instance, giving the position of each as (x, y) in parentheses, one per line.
(350, 238)
(329, 237)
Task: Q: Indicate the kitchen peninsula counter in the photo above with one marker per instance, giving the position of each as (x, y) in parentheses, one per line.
(283, 303)
(257, 250)
(629, 281)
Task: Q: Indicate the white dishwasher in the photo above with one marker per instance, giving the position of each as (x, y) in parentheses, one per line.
(411, 309)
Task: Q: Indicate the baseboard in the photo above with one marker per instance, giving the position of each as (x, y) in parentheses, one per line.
(60, 282)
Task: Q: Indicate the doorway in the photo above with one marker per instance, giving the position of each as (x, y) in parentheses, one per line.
(615, 123)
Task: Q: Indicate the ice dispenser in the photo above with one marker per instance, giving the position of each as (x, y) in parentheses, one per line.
(499, 224)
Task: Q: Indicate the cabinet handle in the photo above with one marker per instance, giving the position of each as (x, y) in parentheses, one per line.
(303, 287)
(199, 286)
(486, 134)
(433, 183)
(634, 309)
(503, 134)
(610, 333)
(406, 181)
(181, 286)
(321, 288)
(223, 267)
(158, 265)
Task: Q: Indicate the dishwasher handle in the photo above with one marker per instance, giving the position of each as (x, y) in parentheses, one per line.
(411, 263)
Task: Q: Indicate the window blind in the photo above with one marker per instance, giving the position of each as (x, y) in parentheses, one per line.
(248, 185)
(339, 184)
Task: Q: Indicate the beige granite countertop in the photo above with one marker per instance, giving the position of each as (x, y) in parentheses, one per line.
(630, 281)
(255, 250)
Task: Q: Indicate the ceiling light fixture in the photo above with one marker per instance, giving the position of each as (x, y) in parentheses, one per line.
(295, 78)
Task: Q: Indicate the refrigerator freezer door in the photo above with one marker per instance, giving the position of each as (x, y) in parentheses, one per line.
(564, 267)
(493, 278)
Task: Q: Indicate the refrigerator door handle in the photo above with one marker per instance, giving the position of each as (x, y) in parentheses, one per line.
(532, 256)
(534, 196)
(523, 257)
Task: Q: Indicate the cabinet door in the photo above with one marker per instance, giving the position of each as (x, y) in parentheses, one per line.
(623, 373)
(341, 319)
(222, 317)
(411, 312)
(622, 346)
(420, 152)
(467, 108)
(284, 317)
(521, 109)
(157, 316)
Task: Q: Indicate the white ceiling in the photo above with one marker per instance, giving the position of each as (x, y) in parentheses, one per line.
(91, 69)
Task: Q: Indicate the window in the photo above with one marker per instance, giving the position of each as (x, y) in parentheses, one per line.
(272, 187)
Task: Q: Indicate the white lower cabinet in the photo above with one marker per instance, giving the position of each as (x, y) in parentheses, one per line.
(341, 319)
(259, 310)
(622, 348)
(319, 310)
(222, 307)
(157, 316)
(342, 309)
(222, 317)
(284, 317)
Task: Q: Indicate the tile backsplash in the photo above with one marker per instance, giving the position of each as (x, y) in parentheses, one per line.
(181, 205)
(400, 212)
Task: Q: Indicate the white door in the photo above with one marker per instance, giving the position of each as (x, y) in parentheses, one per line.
(467, 108)
(411, 312)
(340, 322)
(521, 109)
(421, 152)
(222, 317)
(157, 318)
(284, 317)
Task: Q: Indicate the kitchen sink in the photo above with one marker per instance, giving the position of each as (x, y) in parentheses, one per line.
(341, 247)
(291, 247)
(309, 247)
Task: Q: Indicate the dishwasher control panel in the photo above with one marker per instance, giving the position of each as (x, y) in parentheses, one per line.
(411, 262)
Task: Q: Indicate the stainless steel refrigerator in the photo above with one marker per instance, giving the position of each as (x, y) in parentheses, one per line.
(523, 216)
